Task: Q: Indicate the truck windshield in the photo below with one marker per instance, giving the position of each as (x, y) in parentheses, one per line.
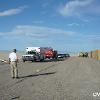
(31, 52)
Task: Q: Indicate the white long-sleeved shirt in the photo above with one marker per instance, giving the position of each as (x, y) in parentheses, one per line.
(13, 56)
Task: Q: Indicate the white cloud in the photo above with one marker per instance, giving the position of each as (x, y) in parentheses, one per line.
(38, 22)
(73, 24)
(13, 11)
(79, 8)
(36, 31)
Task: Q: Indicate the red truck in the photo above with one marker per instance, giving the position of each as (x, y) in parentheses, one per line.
(39, 54)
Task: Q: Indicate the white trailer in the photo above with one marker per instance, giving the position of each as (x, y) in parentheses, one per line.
(37, 49)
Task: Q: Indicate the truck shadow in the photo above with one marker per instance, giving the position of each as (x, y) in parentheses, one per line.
(55, 60)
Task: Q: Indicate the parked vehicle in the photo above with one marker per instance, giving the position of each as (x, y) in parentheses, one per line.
(83, 54)
(39, 54)
(67, 55)
(28, 57)
(63, 55)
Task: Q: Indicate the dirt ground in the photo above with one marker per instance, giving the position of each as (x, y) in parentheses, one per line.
(5, 54)
(72, 79)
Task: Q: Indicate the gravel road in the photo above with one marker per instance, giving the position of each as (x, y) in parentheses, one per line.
(72, 79)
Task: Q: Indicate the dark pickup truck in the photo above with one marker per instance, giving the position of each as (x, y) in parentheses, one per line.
(63, 55)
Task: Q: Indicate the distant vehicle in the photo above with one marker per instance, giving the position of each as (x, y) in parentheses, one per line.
(63, 55)
(67, 55)
(1, 60)
(39, 54)
(86, 54)
(83, 54)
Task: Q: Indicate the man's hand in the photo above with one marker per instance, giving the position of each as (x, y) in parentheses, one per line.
(9, 61)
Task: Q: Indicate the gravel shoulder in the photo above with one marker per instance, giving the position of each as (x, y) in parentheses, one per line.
(72, 79)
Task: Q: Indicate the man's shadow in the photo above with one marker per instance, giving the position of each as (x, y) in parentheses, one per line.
(22, 78)
(37, 74)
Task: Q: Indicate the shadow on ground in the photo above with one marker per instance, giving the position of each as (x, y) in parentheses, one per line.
(37, 75)
(22, 78)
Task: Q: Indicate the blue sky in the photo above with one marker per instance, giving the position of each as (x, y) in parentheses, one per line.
(65, 25)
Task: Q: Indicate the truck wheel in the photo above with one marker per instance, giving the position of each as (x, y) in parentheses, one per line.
(23, 60)
(41, 60)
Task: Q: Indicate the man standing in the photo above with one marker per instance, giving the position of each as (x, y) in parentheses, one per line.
(13, 63)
